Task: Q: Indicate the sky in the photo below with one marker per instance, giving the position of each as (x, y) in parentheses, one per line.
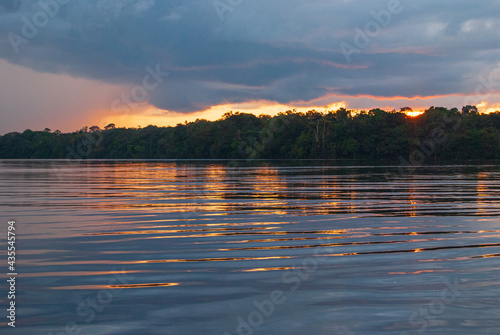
(65, 64)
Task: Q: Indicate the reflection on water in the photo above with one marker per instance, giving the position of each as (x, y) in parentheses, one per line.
(188, 248)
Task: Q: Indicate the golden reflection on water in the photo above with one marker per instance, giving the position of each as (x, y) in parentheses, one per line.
(151, 232)
(76, 273)
(210, 205)
(103, 287)
(270, 269)
(144, 285)
(353, 197)
(418, 272)
(412, 211)
(221, 190)
(482, 192)
(264, 178)
(331, 245)
(463, 258)
(474, 246)
(213, 259)
(225, 224)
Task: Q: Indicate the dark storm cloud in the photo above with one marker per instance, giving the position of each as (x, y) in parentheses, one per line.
(9, 5)
(234, 51)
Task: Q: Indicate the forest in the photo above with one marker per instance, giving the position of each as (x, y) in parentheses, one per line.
(437, 134)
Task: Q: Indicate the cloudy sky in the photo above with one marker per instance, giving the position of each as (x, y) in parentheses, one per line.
(69, 63)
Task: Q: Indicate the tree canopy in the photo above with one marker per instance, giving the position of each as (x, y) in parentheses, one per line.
(439, 133)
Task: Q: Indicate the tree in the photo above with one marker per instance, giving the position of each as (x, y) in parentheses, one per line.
(469, 109)
(110, 126)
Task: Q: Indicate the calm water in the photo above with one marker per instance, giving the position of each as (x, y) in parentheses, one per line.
(228, 248)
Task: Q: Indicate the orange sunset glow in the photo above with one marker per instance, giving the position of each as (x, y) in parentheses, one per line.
(150, 115)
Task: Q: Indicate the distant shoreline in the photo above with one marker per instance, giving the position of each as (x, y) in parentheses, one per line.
(437, 136)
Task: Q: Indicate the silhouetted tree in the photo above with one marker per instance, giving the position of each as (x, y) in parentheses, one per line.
(469, 109)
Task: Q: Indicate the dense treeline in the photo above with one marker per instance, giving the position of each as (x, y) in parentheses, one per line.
(439, 133)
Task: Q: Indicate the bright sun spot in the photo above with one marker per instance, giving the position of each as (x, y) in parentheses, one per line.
(414, 113)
